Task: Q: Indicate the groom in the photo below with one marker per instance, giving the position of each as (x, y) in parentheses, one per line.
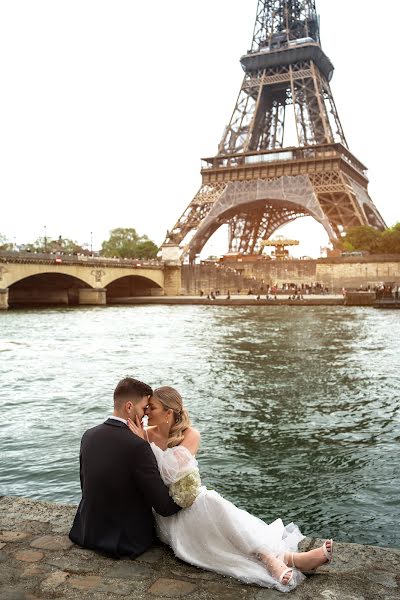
(120, 481)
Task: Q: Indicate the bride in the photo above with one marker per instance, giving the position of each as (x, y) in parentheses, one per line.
(212, 533)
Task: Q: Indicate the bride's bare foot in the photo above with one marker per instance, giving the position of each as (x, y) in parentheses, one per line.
(276, 567)
(309, 561)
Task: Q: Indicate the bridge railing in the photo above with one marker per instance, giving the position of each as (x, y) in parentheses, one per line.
(82, 259)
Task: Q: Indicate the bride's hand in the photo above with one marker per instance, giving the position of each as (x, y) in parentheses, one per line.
(136, 427)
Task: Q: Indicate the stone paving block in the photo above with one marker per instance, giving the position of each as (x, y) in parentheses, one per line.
(93, 583)
(81, 552)
(335, 595)
(73, 564)
(52, 542)
(2, 544)
(34, 570)
(129, 570)
(224, 592)
(53, 581)
(171, 588)
(3, 556)
(8, 575)
(195, 573)
(120, 588)
(90, 582)
(151, 556)
(57, 517)
(8, 593)
(31, 526)
(13, 536)
(29, 555)
(382, 578)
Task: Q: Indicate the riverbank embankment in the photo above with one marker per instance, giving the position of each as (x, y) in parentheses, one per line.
(235, 300)
(39, 562)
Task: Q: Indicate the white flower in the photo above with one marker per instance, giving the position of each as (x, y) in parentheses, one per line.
(185, 491)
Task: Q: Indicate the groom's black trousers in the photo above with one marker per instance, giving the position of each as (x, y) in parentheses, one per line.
(120, 484)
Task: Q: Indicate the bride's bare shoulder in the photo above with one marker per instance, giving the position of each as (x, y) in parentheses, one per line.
(192, 432)
(191, 439)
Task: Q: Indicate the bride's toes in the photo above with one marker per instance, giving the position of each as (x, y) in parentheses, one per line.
(327, 549)
(286, 577)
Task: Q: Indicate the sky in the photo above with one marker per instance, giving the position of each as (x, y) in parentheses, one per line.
(107, 107)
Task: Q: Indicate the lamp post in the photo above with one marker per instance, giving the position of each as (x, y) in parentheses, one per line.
(45, 238)
(91, 243)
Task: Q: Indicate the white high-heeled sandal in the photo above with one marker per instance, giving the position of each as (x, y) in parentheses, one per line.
(282, 576)
(328, 554)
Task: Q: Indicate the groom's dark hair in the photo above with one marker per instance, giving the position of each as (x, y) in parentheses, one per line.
(131, 389)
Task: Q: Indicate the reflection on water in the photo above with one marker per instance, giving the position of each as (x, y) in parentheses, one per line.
(298, 407)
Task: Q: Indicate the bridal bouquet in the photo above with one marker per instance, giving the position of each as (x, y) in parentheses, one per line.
(179, 471)
(185, 491)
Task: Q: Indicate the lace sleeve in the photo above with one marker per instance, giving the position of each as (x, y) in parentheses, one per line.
(174, 463)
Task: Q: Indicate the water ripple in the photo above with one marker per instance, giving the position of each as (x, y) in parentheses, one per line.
(298, 409)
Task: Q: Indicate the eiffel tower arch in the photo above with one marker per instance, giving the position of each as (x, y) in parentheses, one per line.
(255, 184)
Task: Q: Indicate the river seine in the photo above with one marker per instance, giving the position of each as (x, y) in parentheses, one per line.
(298, 406)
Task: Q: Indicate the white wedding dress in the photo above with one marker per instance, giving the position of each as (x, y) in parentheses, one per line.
(216, 535)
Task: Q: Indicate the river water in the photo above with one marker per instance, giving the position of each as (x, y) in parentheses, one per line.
(298, 406)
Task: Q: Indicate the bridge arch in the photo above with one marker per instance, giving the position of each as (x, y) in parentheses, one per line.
(45, 288)
(132, 285)
(23, 271)
(153, 276)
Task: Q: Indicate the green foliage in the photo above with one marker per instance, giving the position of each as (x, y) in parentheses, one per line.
(391, 240)
(126, 243)
(68, 246)
(146, 248)
(362, 238)
(5, 245)
(368, 239)
(62, 245)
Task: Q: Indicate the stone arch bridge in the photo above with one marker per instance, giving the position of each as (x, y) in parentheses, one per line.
(27, 278)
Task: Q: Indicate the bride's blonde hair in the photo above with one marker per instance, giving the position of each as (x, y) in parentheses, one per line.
(171, 399)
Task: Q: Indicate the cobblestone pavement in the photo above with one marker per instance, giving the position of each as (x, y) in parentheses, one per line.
(39, 562)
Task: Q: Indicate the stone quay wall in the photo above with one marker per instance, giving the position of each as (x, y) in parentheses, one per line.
(39, 562)
(335, 274)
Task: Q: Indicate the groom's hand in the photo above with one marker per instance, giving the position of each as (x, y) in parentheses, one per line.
(136, 427)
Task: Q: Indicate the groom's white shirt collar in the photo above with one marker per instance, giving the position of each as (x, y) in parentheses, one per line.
(119, 419)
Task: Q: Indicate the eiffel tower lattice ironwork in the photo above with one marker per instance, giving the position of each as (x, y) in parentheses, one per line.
(255, 184)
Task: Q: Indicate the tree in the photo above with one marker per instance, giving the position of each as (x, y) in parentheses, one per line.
(146, 248)
(62, 245)
(372, 240)
(126, 243)
(67, 246)
(364, 238)
(5, 245)
(391, 240)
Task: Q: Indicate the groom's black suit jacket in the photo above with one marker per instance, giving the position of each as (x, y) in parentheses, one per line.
(120, 484)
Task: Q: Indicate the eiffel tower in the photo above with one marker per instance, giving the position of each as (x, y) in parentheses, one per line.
(255, 184)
